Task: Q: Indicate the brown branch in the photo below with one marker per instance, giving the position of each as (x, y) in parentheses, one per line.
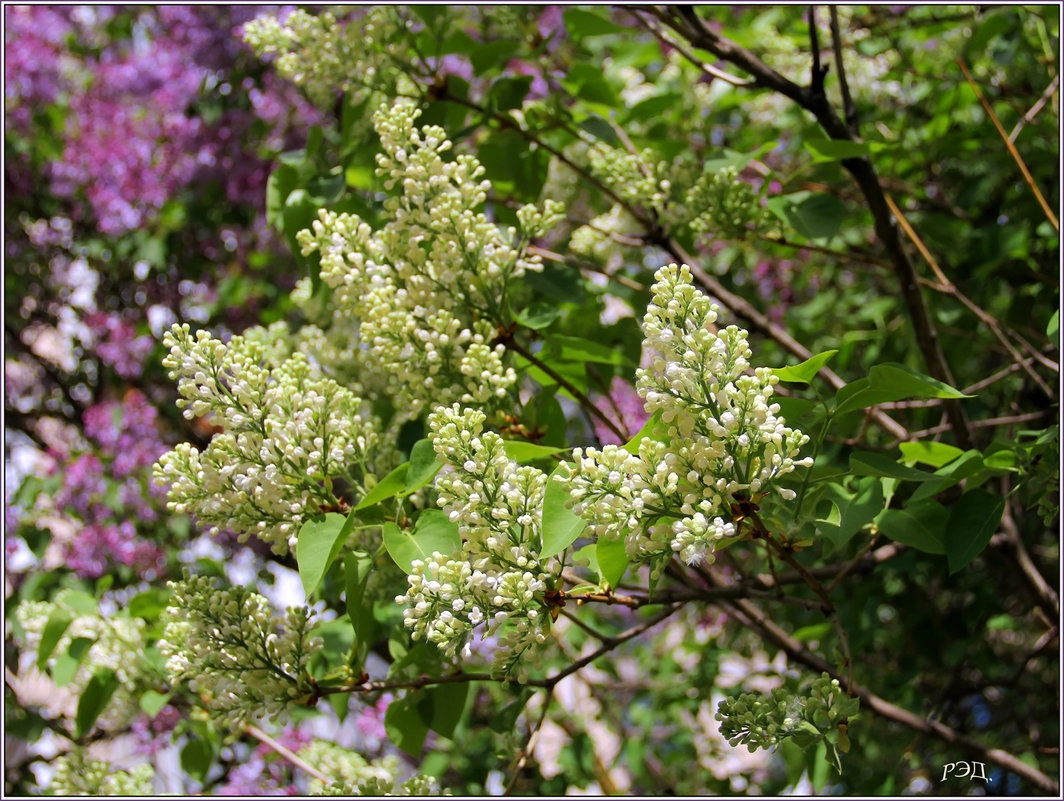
(686, 22)
(755, 619)
(1027, 177)
(949, 288)
(848, 107)
(609, 644)
(583, 399)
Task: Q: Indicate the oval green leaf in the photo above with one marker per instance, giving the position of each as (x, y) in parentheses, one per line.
(560, 526)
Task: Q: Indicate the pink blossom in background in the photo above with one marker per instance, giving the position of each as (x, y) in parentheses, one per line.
(371, 719)
(624, 407)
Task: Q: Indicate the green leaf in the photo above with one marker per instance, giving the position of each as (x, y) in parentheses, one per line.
(814, 216)
(538, 315)
(78, 601)
(67, 664)
(648, 430)
(803, 373)
(357, 567)
(388, 487)
(890, 382)
(448, 704)
(588, 82)
(492, 54)
(900, 378)
(919, 526)
(405, 724)
(972, 521)
(612, 560)
(196, 758)
(854, 510)
(320, 540)
(575, 349)
(580, 23)
(509, 93)
(505, 718)
(54, 628)
(879, 464)
(522, 452)
(600, 129)
(94, 700)
(835, 149)
(935, 454)
(149, 604)
(1054, 325)
(560, 526)
(423, 466)
(151, 702)
(432, 532)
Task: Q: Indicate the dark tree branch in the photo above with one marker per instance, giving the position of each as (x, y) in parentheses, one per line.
(686, 22)
(848, 107)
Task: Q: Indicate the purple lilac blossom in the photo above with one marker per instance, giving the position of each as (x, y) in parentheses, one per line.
(116, 343)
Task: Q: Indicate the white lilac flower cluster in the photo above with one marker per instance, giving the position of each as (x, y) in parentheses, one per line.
(76, 774)
(346, 767)
(118, 644)
(287, 433)
(639, 178)
(761, 721)
(418, 784)
(720, 203)
(722, 442)
(429, 290)
(237, 656)
(498, 578)
(324, 55)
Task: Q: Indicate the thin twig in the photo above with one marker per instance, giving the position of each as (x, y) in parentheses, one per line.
(706, 68)
(689, 24)
(530, 746)
(1036, 108)
(583, 399)
(610, 643)
(949, 288)
(1027, 177)
(288, 754)
(754, 618)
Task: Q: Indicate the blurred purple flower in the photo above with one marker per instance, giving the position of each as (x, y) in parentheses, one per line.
(625, 408)
(371, 720)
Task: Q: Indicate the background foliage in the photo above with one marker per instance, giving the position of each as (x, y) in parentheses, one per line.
(840, 183)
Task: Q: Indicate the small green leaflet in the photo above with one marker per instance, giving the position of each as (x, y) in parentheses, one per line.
(935, 454)
(94, 700)
(151, 702)
(560, 526)
(432, 532)
(357, 567)
(320, 540)
(423, 466)
(388, 487)
(835, 149)
(972, 521)
(406, 723)
(803, 373)
(879, 464)
(523, 452)
(612, 560)
(890, 382)
(919, 526)
(54, 629)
